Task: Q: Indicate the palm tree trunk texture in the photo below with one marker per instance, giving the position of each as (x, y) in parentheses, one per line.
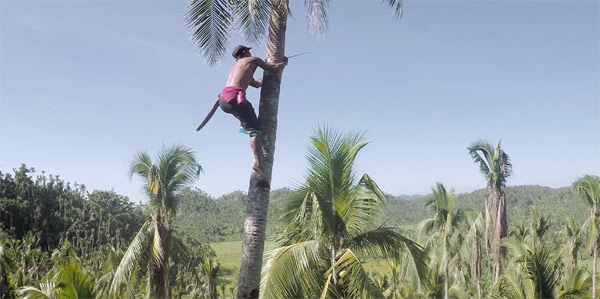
(446, 276)
(258, 198)
(476, 265)
(497, 210)
(594, 271)
(158, 281)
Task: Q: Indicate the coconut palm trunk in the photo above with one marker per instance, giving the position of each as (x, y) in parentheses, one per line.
(500, 225)
(258, 198)
(158, 273)
(594, 272)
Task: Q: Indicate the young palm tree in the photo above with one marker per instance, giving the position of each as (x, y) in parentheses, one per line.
(211, 22)
(495, 165)
(535, 274)
(330, 229)
(540, 225)
(70, 281)
(443, 226)
(210, 271)
(588, 187)
(176, 168)
(572, 231)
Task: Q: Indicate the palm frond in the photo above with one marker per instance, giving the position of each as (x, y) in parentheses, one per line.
(210, 22)
(505, 288)
(481, 152)
(397, 5)
(75, 281)
(354, 278)
(361, 208)
(292, 270)
(252, 18)
(385, 241)
(47, 290)
(136, 256)
(588, 188)
(317, 17)
(542, 269)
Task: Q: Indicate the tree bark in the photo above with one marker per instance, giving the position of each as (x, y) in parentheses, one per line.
(497, 210)
(159, 285)
(446, 276)
(594, 271)
(258, 198)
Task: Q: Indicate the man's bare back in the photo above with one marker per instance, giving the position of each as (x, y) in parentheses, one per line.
(242, 71)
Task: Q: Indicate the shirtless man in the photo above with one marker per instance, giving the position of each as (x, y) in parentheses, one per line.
(233, 100)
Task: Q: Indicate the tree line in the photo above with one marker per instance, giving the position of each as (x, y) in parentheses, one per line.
(59, 241)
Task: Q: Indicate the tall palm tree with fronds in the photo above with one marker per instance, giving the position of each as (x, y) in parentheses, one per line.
(443, 227)
(210, 22)
(175, 169)
(495, 165)
(588, 188)
(331, 228)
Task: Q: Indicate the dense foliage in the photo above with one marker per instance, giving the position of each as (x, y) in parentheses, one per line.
(52, 232)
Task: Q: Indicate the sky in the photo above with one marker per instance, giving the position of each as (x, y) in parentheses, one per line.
(85, 85)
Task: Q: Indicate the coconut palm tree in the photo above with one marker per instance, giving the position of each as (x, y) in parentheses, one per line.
(176, 168)
(330, 228)
(572, 231)
(588, 188)
(540, 225)
(495, 165)
(70, 280)
(535, 274)
(443, 227)
(211, 21)
(210, 271)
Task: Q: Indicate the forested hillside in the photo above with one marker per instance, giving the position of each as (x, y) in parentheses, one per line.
(45, 221)
(221, 219)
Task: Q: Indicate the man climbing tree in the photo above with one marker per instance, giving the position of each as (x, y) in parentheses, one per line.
(233, 100)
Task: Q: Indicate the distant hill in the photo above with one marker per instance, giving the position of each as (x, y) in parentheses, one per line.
(221, 219)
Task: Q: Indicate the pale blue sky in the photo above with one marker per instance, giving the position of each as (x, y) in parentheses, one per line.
(87, 84)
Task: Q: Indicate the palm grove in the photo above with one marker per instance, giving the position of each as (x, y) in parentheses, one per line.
(60, 241)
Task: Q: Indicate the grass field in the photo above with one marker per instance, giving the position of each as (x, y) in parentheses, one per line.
(229, 253)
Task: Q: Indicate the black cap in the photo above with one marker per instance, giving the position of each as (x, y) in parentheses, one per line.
(239, 50)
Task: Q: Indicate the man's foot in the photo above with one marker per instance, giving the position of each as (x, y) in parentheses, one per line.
(257, 169)
(262, 178)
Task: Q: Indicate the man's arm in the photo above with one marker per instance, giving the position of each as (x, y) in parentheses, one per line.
(256, 83)
(271, 67)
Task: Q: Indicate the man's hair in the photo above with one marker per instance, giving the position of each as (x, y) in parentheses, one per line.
(239, 51)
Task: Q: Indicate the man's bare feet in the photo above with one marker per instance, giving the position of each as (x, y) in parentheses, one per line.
(262, 178)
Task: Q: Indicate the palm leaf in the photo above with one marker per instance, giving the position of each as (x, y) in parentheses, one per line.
(353, 277)
(505, 288)
(48, 290)
(397, 5)
(135, 257)
(317, 17)
(75, 281)
(292, 270)
(385, 241)
(252, 18)
(210, 22)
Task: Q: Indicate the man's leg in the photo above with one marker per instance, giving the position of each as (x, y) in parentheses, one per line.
(257, 150)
